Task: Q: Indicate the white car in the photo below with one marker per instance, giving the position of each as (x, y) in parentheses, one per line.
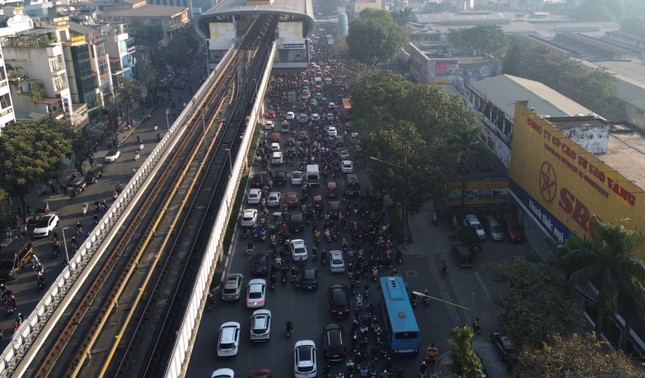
(291, 116)
(255, 196)
(274, 199)
(45, 225)
(223, 373)
(330, 116)
(470, 220)
(268, 125)
(112, 156)
(304, 359)
(332, 105)
(296, 178)
(275, 147)
(346, 166)
(315, 117)
(298, 250)
(261, 325)
(314, 102)
(228, 342)
(256, 293)
(336, 262)
(249, 218)
(331, 131)
(344, 154)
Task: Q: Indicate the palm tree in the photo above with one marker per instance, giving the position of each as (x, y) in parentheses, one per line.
(465, 139)
(608, 264)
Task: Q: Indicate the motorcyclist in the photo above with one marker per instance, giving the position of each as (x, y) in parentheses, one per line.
(289, 327)
(476, 325)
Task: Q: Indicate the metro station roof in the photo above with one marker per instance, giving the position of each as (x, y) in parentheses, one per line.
(298, 8)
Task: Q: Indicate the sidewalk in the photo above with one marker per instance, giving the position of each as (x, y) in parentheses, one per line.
(460, 286)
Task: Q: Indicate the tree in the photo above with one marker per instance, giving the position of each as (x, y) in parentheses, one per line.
(600, 10)
(179, 51)
(374, 37)
(30, 153)
(536, 301)
(128, 94)
(633, 25)
(402, 17)
(574, 356)
(465, 139)
(608, 263)
(144, 34)
(488, 39)
(465, 362)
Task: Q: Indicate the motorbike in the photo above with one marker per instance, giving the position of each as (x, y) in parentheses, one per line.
(211, 301)
(374, 274)
(250, 249)
(273, 281)
(141, 146)
(41, 281)
(86, 208)
(323, 257)
(136, 155)
(289, 332)
(413, 300)
(314, 254)
(245, 234)
(426, 298)
(283, 279)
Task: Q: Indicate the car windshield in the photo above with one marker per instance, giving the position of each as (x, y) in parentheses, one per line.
(43, 222)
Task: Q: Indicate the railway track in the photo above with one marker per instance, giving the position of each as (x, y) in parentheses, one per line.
(125, 321)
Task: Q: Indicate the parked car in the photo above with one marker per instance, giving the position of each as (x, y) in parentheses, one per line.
(493, 228)
(45, 225)
(296, 178)
(232, 287)
(463, 256)
(112, 156)
(309, 279)
(249, 218)
(304, 359)
(334, 346)
(470, 220)
(256, 293)
(336, 262)
(513, 229)
(228, 341)
(254, 197)
(298, 250)
(93, 175)
(339, 301)
(261, 325)
(260, 265)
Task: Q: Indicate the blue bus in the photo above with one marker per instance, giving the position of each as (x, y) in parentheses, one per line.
(400, 322)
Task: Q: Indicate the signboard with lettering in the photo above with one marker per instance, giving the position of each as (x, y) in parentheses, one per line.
(563, 186)
(478, 193)
(291, 33)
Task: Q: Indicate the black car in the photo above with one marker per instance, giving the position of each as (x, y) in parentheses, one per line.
(358, 230)
(280, 178)
(338, 301)
(258, 181)
(334, 342)
(94, 175)
(260, 265)
(309, 279)
(334, 209)
(296, 222)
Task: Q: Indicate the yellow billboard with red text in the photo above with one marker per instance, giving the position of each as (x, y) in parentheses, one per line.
(563, 186)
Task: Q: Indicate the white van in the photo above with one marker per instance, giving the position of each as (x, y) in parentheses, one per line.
(313, 174)
(494, 229)
(276, 158)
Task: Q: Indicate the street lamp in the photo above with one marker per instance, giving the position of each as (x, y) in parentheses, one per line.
(404, 209)
(470, 309)
(167, 123)
(230, 160)
(65, 244)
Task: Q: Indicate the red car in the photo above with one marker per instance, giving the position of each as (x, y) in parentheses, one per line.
(275, 137)
(292, 199)
(270, 114)
(513, 230)
(332, 189)
(261, 373)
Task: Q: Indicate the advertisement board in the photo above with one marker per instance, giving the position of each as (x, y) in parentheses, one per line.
(291, 33)
(222, 35)
(563, 186)
(478, 193)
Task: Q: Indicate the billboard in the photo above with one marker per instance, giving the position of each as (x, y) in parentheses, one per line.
(563, 186)
(222, 35)
(478, 193)
(291, 34)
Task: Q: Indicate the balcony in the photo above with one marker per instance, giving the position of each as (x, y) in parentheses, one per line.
(54, 51)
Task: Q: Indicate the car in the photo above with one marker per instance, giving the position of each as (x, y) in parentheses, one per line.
(332, 189)
(463, 256)
(256, 293)
(261, 373)
(513, 230)
(339, 301)
(470, 220)
(308, 279)
(249, 218)
(260, 265)
(277, 158)
(303, 118)
(313, 102)
(334, 347)
(358, 230)
(319, 96)
(336, 262)
(505, 348)
(332, 105)
(76, 185)
(315, 117)
(260, 325)
(296, 222)
(304, 359)
(291, 200)
(330, 116)
(291, 116)
(331, 131)
(254, 197)
(493, 228)
(232, 287)
(223, 373)
(228, 342)
(302, 136)
(45, 225)
(306, 95)
(296, 178)
(343, 154)
(275, 147)
(298, 250)
(270, 114)
(274, 199)
(112, 156)
(258, 181)
(280, 178)
(275, 137)
(346, 166)
(269, 125)
(284, 126)
(334, 209)
(93, 175)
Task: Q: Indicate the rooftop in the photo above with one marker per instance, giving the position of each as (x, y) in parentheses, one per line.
(626, 154)
(279, 6)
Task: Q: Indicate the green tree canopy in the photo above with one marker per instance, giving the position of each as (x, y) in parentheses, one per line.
(374, 37)
(609, 264)
(536, 301)
(148, 35)
(465, 362)
(575, 356)
(600, 10)
(488, 39)
(403, 16)
(32, 152)
(180, 50)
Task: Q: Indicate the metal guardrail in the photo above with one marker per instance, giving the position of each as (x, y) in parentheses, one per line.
(29, 338)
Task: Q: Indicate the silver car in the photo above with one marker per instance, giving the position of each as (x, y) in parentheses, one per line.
(336, 262)
(232, 287)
